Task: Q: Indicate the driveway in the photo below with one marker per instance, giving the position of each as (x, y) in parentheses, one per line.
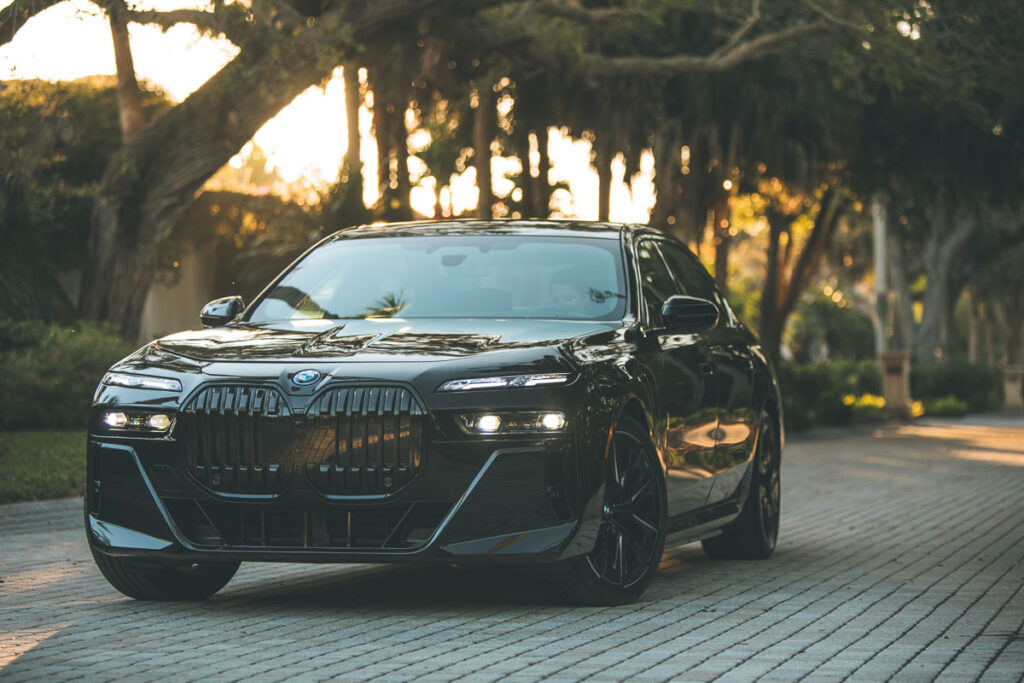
(900, 556)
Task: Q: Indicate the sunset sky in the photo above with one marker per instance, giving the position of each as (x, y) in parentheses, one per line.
(307, 140)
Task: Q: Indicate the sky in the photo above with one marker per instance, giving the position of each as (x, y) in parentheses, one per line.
(306, 141)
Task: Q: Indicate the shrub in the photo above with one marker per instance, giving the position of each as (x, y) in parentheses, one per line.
(947, 406)
(818, 394)
(974, 385)
(838, 392)
(49, 372)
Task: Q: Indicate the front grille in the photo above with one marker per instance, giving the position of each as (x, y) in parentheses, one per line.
(351, 440)
(214, 524)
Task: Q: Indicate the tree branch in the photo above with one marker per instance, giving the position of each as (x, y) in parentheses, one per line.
(720, 60)
(743, 30)
(14, 16)
(232, 23)
(576, 12)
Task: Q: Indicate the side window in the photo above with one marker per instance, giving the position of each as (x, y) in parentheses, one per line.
(693, 278)
(656, 282)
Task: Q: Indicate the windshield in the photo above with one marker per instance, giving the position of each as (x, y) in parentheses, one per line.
(478, 276)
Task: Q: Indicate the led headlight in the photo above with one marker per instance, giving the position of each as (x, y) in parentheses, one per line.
(139, 423)
(124, 379)
(513, 423)
(507, 381)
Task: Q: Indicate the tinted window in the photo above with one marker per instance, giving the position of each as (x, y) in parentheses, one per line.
(689, 273)
(693, 278)
(656, 281)
(499, 276)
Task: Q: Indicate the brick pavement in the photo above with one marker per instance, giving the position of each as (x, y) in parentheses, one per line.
(900, 557)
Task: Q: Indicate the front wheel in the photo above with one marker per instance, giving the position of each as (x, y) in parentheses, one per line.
(754, 533)
(631, 535)
(143, 580)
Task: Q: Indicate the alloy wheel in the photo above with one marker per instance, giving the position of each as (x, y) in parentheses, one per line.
(769, 489)
(630, 527)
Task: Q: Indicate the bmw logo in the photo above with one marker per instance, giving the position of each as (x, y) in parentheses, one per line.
(305, 377)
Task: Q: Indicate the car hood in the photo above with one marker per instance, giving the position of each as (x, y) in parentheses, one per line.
(375, 339)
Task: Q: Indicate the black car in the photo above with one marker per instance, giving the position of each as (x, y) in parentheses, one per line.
(564, 396)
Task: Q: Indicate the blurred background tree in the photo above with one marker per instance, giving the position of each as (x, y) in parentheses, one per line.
(769, 128)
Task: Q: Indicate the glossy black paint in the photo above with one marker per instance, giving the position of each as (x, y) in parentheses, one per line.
(221, 311)
(515, 498)
(689, 314)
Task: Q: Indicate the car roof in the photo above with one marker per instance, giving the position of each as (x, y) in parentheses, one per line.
(514, 226)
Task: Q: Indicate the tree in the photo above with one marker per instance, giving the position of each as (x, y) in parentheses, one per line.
(285, 48)
(129, 97)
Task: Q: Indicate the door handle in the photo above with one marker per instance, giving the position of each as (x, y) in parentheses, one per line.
(707, 369)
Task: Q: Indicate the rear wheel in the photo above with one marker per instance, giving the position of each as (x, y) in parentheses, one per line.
(754, 533)
(631, 535)
(143, 580)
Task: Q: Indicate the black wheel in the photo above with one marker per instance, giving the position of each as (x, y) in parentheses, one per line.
(754, 533)
(631, 536)
(145, 580)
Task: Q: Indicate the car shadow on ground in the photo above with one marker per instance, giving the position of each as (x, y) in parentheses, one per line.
(412, 588)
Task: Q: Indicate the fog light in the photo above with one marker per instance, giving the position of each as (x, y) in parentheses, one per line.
(116, 420)
(553, 421)
(159, 422)
(488, 423)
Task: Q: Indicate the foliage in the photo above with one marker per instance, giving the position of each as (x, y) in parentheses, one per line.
(816, 395)
(41, 465)
(49, 372)
(821, 330)
(946, 406)
(843, 391)
(56, 140)
(977, 386)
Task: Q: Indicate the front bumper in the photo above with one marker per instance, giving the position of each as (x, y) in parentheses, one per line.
(512, 502)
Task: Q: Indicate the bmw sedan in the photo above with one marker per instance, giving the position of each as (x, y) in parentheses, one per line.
(562, 396)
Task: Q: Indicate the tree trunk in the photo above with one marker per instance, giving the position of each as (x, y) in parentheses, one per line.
(484, 123)
(129, 98)
(781, 294)
(353, 101)
(392, 155)
(542, 197)
(771, 297)
(527, 183)
(973, 330)
(603, 162)
(722, 239)
(401, 154)
(665, 148)
(949, 232)
(903, 302)
(153, 178)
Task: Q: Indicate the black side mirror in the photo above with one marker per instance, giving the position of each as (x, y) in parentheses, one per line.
(689, 314)
(221, 311)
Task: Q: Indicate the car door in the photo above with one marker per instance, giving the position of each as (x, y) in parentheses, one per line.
(684, 374)
(728, 344)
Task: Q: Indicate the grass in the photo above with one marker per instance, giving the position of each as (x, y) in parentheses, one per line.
(35, 465)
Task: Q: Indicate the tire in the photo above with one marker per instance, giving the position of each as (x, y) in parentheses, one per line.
(755, 532)
(631, 537)
(154, 581)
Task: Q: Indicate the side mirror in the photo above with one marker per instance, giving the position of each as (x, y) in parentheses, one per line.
(221, 311)
(689, 314)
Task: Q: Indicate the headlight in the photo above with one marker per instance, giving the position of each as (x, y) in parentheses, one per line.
(123, 379)
(128, 421)
(512, 422)
(507, 381)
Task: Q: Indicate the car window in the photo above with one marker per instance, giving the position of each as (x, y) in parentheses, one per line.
(656, 282)
(445, 276)
(689, 274)
(692, 277)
